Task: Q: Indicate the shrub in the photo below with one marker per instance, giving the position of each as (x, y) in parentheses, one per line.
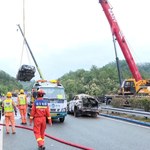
(134, 102)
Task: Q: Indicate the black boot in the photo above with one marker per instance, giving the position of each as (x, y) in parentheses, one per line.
(41, 148)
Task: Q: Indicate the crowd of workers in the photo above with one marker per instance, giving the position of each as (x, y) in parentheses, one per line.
(40, 113)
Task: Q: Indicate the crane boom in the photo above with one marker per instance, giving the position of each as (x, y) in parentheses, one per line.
(31, 52)
(121, 39)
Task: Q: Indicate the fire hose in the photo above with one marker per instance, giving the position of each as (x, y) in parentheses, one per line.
(56, 139)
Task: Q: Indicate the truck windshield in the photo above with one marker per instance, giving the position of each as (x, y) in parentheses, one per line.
(54, 92)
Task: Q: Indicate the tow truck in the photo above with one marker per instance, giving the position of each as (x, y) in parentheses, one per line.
(54, 92)
(135, 85)
(56, 97)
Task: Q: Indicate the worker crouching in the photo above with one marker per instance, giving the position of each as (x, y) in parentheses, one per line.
(8, 109)
(22, 105)
(40, 112)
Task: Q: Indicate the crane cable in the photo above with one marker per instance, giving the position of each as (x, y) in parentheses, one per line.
(23, 46)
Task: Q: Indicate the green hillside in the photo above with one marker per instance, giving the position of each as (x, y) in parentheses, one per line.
(99, 81)
(8, 83)
(96, 81)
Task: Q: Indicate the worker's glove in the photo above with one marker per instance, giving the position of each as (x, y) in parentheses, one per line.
(50, 122)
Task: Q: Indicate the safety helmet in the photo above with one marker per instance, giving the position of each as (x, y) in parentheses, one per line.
(21, 91)
(40, 93)
(9, 94)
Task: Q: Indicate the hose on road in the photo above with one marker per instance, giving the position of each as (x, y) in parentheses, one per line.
(54, 138)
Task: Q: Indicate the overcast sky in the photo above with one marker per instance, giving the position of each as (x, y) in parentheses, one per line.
(66, 35)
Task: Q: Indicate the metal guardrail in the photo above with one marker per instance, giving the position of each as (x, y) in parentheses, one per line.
(133, 112)
(126, 111)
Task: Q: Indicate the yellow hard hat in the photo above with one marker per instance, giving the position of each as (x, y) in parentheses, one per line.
(9, 94)
(22, 91)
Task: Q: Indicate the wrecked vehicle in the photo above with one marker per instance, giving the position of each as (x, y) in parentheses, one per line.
(26, 73)
(83, 104)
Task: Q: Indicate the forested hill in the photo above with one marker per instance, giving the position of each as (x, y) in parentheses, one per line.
(8, 83)
(96, 81)
(99, 81)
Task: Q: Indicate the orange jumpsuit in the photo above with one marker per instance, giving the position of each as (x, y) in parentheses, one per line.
(22, 105)
(9, 108)
(40, 110)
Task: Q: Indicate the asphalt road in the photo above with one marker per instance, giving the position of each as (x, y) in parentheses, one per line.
(98, 133)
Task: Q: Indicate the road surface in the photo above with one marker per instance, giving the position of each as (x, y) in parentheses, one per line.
(97, 133)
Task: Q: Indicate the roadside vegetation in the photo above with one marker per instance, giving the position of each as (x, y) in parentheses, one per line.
(135, 102)
(96, 82)
(9, 83)
(99, 81)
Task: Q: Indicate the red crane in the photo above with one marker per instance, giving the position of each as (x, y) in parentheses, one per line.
(136, 84)
(121, 39)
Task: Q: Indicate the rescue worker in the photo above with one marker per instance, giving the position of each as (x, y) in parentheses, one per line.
(8, 108)
(34, 94)
(22, 106)
(40, 112)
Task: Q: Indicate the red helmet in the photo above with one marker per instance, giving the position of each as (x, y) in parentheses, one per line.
(40, 93)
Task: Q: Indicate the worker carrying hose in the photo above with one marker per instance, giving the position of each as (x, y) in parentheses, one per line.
(22, 105)
(8, 109)
(40, 112)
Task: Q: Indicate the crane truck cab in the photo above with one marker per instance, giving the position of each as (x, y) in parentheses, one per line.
(133, 87)
(56, 97)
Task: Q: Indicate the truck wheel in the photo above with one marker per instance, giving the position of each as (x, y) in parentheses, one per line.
(68, 112)
(76, 112)
(94, 115)
(61, 119)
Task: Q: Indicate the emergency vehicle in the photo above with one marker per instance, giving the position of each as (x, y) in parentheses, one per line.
(56, 97)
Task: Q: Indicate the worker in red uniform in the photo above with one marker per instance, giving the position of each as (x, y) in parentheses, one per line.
(40, 112)
(8, 109)
(22, 105)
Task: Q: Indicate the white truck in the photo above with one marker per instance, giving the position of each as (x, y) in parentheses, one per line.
(56, 97)
(83, 104)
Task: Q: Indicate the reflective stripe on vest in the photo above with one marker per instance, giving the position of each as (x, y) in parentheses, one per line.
(22, 100)
(8, 107)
